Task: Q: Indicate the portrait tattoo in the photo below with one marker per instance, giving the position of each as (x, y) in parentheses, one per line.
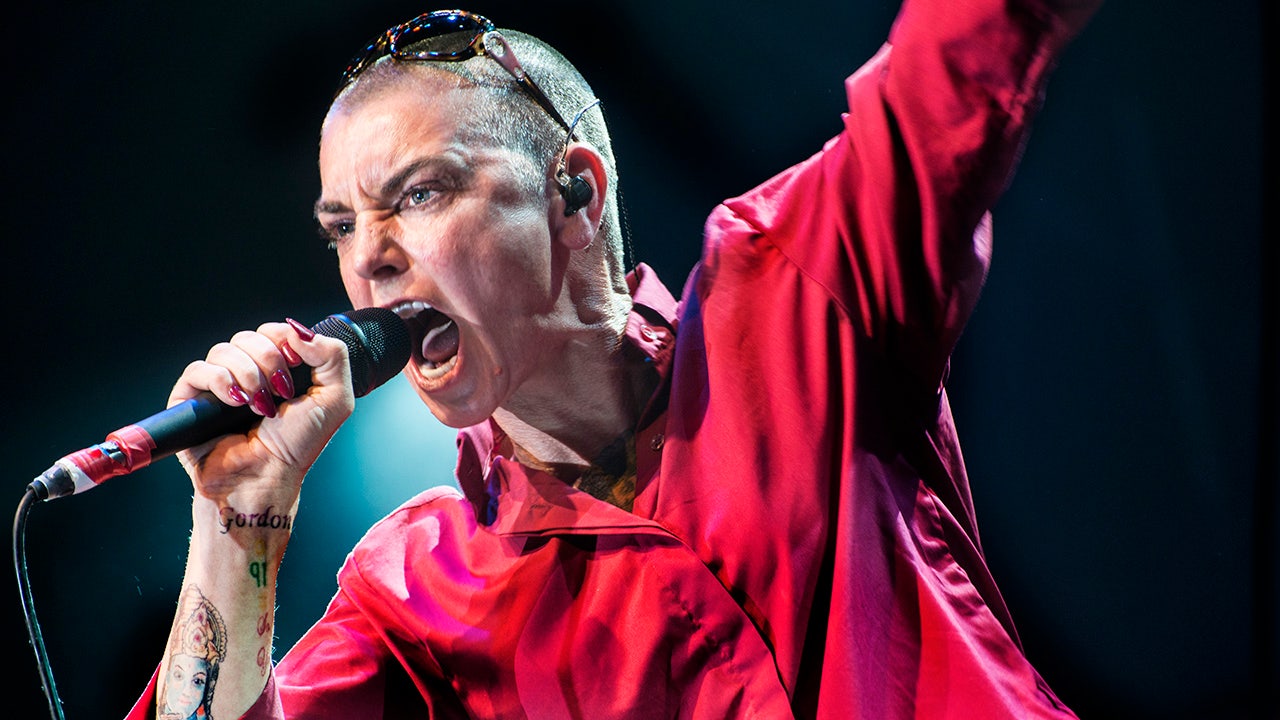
(196, 647)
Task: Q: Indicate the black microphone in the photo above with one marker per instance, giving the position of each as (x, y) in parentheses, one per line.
(377, 344)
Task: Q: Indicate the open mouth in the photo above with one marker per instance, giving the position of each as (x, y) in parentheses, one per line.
(436, 335)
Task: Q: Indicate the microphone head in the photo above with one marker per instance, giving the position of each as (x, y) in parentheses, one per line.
(377, 342)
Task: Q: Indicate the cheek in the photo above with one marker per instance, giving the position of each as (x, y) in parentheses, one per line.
(357, 288)
(480, 263)
(517, 254)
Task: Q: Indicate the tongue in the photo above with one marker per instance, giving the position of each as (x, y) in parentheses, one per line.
(440, 343)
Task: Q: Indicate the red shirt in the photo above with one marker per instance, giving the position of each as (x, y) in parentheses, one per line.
(802, 540)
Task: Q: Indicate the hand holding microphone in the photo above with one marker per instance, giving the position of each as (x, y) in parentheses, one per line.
(209, 401)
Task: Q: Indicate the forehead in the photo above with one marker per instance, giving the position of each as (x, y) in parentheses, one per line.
(406, 98)
(381, 126)
(374, 138)
(189, 662)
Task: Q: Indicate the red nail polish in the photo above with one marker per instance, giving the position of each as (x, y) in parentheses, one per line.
(263, 404)
(303, 331)
(282, 383)
(238, 394)
(290, 355)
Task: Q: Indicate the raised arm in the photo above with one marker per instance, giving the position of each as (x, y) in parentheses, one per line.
(891, 217)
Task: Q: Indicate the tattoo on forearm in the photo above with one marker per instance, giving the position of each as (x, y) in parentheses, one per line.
(197, 646)
(230, 517)
(258, 567)
(258, 570)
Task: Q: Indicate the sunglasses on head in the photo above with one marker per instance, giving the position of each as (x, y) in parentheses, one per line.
(458, 35)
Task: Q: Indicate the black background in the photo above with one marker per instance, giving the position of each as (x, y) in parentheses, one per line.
(1115, 389)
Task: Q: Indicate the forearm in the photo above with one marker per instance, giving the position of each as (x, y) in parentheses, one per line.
(891, 218)
(963, 83)
(936, 126)
(218, 656)
(225, 618)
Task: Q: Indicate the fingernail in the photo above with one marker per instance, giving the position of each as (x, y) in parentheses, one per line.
(282, 383)
(263, 404)
(238, 394)
(303, 331)
(290, 355)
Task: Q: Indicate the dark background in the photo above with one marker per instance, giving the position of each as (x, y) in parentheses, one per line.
(1115, 390)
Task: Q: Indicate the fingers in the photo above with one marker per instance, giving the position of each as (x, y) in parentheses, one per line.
(326, 356)
(253, 368)
(258, 366)
(245, 370)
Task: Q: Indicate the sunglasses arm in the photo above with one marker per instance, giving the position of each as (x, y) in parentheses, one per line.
(496, 47)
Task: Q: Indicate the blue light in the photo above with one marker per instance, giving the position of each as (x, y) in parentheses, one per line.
(391, 449)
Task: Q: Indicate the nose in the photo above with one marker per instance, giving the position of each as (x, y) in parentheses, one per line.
(375, 251)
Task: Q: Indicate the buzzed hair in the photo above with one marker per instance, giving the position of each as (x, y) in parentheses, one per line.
(512, 119)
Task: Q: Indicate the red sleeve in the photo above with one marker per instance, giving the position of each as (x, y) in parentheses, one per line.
(352, 664)
(338, 669)
(891, 217)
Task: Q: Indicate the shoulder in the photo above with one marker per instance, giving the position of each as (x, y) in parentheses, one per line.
(422, 523)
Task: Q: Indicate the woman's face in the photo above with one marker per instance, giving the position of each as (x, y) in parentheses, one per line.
(424, 215)
(184, 689)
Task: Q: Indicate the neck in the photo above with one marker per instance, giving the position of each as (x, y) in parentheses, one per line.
(593, 395)
(574, 423)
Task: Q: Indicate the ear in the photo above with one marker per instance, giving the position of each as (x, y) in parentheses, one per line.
(582, 165)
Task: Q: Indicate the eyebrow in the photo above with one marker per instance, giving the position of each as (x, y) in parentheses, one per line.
(389, 187)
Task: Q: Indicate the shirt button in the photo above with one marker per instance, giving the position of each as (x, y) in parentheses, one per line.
(655, 443)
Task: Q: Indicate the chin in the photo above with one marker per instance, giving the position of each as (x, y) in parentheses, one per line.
(457, 415)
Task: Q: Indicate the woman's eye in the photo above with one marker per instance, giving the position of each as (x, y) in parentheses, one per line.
(336, 233)
(419, 196)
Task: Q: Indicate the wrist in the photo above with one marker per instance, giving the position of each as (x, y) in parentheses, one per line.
(260, 526)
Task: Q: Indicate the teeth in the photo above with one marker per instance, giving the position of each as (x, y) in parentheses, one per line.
(435, 371)
(411, 308)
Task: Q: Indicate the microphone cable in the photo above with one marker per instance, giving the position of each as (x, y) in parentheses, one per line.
(29, 498)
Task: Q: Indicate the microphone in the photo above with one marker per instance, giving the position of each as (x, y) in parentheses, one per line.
(377, 343)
